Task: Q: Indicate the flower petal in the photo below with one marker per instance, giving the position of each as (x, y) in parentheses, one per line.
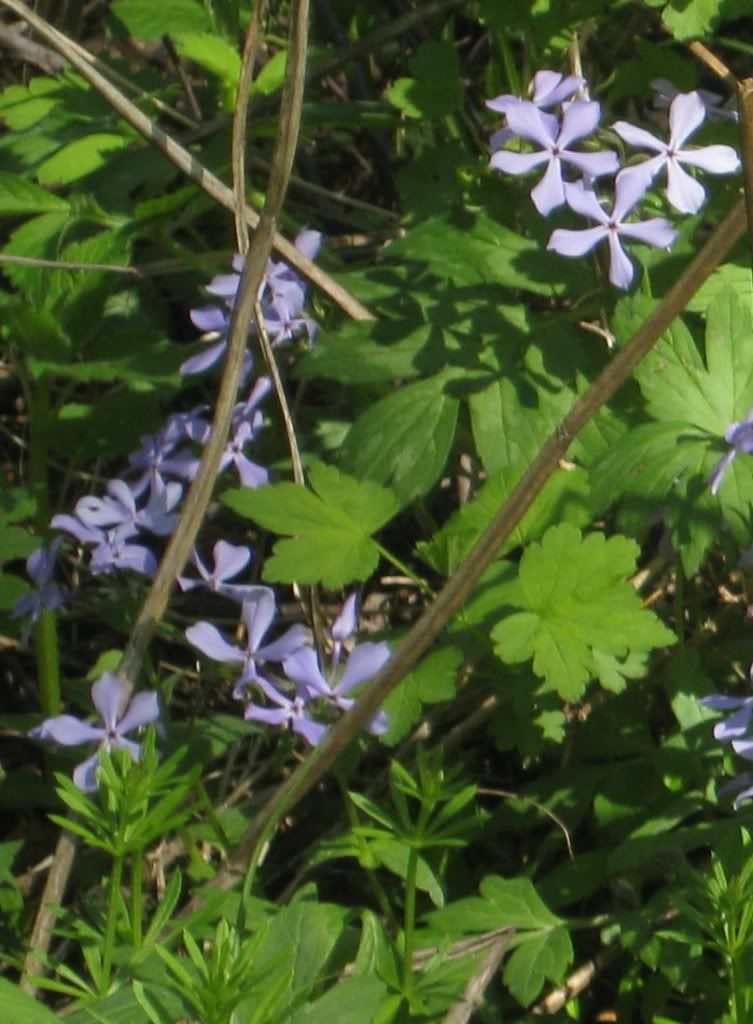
(585, 202)
(683, 192)
(210, 318)
(550, 191)
(107, 695)
(517, 163)
(657, 231)
(68, 731)
(712, 159)
(291, 641)
(596, 165)
(638, 137)
(719, 471)
(686, 115)
(363, 664)
(143, 710)
(85, 774)
(258, 612)
(621, 270)
(204, 359)
(308, 243)
(526, 120)
(632, 184)
(576, 243)
(346, 622)
(208, 639)
(581, 118)
(550, 87)
(303, 668)
(229, 559)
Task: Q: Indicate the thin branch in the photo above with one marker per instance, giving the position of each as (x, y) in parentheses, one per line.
(240, 117)
(473, 996)
(185, 161)
(507, 794)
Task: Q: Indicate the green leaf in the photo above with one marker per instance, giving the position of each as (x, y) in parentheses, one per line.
(16, 543)
(337, 1005)
(564, 498)
(80, 157)
(428, 94)
(543, 956)
(148, 20)
(693, 19)
(215, 55)
(404, 440)
(471, 248)
(19, 196)
(575, 600)
(18, 1008)
(330, 526)
(433, 681)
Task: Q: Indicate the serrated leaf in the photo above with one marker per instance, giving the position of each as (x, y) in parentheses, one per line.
(694, 19)
(404, 440)
(331, 525)
(80, 157)
(215, 55)
(576, 599)
(337, 1005)
(564, 497)
(543, 956)
(19, 196)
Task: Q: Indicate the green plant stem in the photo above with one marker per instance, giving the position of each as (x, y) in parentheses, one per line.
(737, 999)
(45, 629)
(403, 568)
(409, 920)
(116, 878)
(376, 886)
(137, 897)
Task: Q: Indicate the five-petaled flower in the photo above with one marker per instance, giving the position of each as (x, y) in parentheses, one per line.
(628, 190)
(579, 119)
(40, 565)
(686, 115)
(108, 695)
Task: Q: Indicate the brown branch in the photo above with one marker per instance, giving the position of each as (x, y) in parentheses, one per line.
(473, 996)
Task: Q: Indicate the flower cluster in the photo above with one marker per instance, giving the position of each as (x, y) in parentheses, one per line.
(734, 730)
(531, 121)
(299, 692)
(282, 297)
(281, 682)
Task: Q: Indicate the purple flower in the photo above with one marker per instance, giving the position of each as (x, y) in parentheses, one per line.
(158, 459)
(258, 612)
(289, 712)
(40, 565)
(736, 725)
(119, 509)
(740, 437)
(579, 119)
(111, 548)
(686, 115)
(628, 190)
(282, 296)
(548, 88)
(363, 663)
(229, 560)
(108, 694)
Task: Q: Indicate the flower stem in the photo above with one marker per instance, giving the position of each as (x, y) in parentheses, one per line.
(137, 901)
(409, 921)
(112, 921)
(403, 568)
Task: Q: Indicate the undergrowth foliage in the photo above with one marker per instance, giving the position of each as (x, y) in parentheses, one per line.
(511, 190)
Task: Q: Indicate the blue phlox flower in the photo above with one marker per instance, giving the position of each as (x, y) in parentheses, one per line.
(47, 595)
(547, 89)
(612, 227)
(108, 695)
(686, 114)
(258, 612)
(579, 119)
(229, 561)
(667, 91)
